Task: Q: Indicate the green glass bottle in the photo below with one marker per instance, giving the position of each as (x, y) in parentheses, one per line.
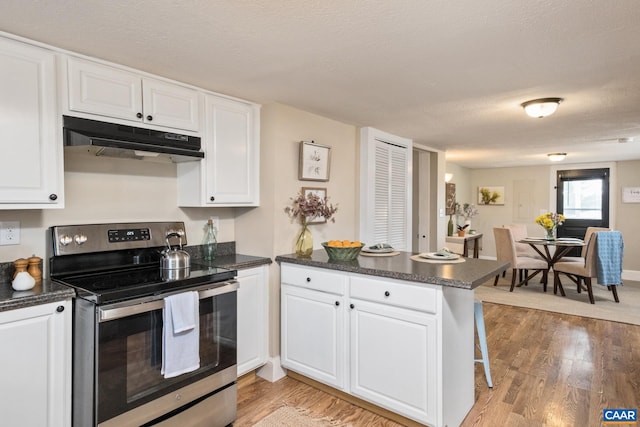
(210, 242)
(450, 227)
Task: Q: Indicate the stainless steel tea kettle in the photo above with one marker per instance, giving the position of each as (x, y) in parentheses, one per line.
(174, 258)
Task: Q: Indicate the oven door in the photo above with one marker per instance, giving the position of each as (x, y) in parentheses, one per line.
(129, 388)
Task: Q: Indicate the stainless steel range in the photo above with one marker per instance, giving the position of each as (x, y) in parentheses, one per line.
(118, 377)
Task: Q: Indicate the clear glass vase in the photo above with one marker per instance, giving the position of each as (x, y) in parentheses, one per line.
(551, 233)
(304, 242)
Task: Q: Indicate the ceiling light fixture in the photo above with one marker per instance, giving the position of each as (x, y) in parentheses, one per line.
(625, 140)
(542, 107)
(557, 157)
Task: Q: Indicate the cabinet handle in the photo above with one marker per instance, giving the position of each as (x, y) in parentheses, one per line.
(308, 279)
(53, 196)
(337, 303)
(60, 308)
(139, 115)
(149, 118)
(212, 198)
(386, 293)
(352, 306)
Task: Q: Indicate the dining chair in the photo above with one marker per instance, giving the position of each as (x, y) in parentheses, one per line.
(582, 272)
(506, 252)
(587, 237)
(519, 232)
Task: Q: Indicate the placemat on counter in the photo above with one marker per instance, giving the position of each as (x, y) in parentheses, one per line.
(394, 253)
(437, 261)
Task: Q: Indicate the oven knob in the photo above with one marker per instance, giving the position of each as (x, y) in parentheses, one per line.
(80, 238)
(65, 240)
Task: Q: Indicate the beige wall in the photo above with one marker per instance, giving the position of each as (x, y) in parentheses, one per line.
(112, 190)
(267, 230)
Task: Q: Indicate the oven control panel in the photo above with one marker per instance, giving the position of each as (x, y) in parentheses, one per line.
(116, 236)
(87, 238)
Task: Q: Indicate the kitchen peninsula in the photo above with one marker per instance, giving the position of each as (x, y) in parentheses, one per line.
(391, 331)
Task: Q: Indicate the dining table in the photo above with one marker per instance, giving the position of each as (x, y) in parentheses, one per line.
(542, 245)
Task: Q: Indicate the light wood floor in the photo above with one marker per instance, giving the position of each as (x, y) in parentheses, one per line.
(548, 369)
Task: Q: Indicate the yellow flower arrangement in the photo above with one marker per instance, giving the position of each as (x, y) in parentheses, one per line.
(550, 221)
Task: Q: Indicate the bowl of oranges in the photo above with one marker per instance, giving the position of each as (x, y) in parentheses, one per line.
(342, 250)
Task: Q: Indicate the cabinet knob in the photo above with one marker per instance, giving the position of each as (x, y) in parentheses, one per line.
(149, 118)
(352, 306)
(337, 303)
(386, 293)
(308, 279)
(60, 308)
(212, 198)
(53, 196)
(139, 115)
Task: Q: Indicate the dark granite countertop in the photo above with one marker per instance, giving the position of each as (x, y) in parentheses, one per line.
(468, 274)
(42, 293)
(236, 261)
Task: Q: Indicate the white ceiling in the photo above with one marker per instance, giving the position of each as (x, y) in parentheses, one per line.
(449, 74)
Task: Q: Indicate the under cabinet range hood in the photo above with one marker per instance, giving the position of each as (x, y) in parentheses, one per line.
(114, 140)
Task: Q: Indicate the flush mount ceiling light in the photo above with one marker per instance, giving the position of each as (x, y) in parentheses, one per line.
(557, 157)
(542, 107)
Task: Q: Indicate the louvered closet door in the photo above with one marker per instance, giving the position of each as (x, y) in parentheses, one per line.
(390, 193)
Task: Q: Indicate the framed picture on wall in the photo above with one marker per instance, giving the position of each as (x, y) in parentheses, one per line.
(450, 198)
(314, 161)
(321, 193)
(491, 195)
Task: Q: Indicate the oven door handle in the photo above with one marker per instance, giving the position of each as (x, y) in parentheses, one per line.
(130, 308)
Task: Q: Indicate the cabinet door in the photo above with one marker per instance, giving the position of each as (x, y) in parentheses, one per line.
(170, 105)
(313, 335)
(35, 366)
(30, 136)
(253, 321)
(393, 359)
(103, 90)
(232, 152)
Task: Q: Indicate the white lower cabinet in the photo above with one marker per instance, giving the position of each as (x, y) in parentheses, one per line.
(393, 358)
(404, 346)
(35, 365)
(313, 334)
(253, 321)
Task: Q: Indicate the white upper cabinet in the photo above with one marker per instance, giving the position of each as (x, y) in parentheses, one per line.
(229, 175)
(111, 92)
(31, 175)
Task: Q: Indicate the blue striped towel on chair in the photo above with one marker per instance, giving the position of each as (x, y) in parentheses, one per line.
(610, 248)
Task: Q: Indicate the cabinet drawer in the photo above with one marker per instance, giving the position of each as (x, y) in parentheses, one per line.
(416, 297)
(314, 278)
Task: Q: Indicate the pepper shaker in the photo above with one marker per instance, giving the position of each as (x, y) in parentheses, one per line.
(34, 268)
(21, 265)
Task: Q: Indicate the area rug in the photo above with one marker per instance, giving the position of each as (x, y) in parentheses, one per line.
(577, 304)
(287, 416)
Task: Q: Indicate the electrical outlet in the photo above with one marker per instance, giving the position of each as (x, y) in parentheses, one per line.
(10, 233)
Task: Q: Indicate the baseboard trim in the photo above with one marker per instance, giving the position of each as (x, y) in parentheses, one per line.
(272, 371)
(631, 275)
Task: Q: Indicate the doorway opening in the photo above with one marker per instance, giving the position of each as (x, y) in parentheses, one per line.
(583, 198)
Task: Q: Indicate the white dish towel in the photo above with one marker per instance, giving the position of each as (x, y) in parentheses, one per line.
(180, 334)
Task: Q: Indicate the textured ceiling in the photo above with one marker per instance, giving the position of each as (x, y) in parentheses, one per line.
(449, 74)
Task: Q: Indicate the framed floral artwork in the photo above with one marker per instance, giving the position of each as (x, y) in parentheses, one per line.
(322, 194)
(314, 161)
(491, 195)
